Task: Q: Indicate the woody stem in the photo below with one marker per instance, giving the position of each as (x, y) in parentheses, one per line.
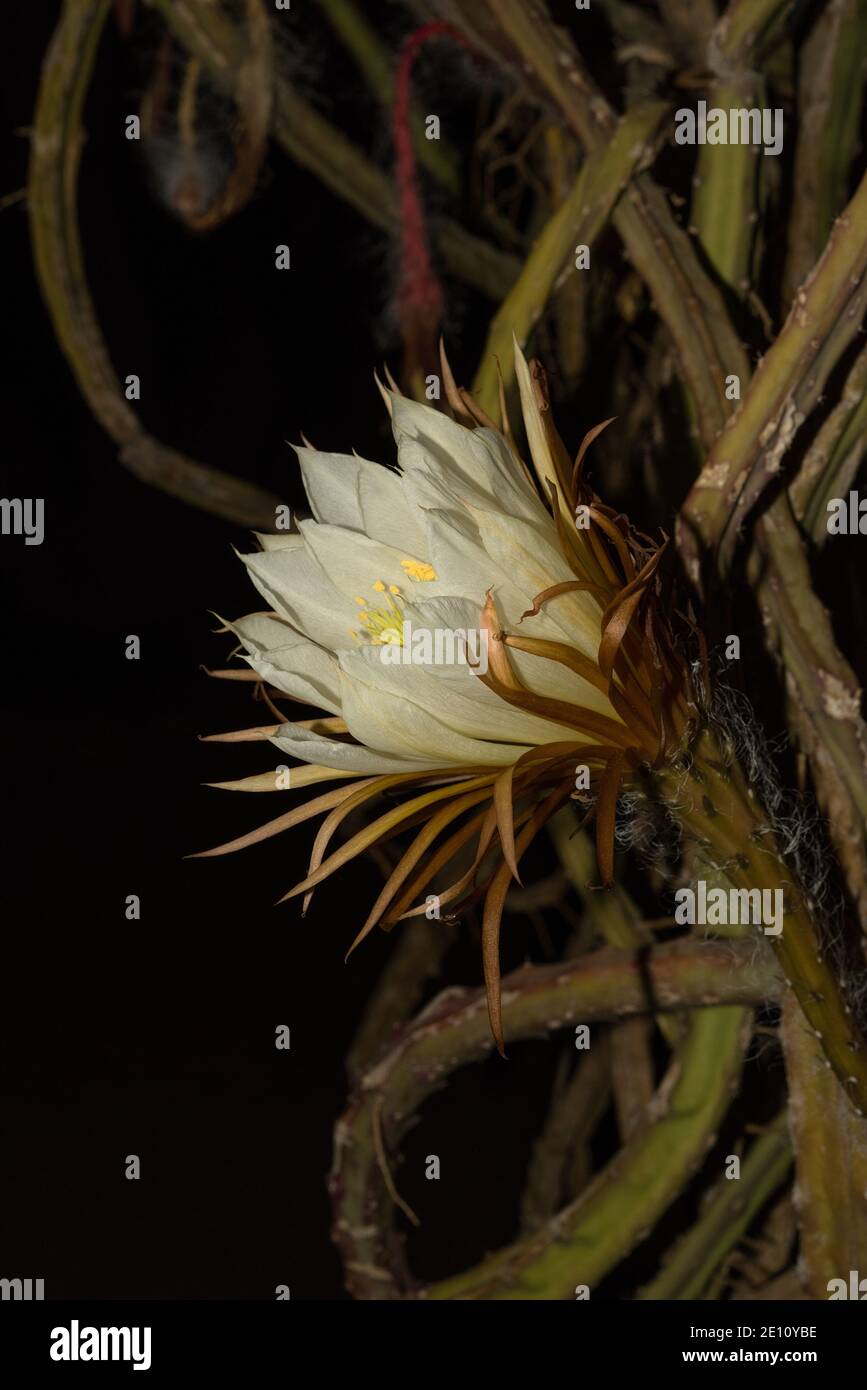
(721, 814)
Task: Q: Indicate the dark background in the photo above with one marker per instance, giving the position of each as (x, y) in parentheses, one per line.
(157, 1037)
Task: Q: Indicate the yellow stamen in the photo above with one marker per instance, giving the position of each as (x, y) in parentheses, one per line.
(384, 626)
(418, 570)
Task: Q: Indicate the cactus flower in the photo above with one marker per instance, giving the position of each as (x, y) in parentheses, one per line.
(528, 568)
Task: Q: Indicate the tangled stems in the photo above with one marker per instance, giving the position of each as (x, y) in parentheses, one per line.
(709, 981)
(586, 1240)
(710, 797)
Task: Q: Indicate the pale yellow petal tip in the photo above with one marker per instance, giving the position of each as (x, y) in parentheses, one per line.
(521, 367)
(391, 381)
(386, 395)
(225, 625)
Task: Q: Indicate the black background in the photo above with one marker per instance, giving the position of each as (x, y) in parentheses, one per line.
(156, 1037)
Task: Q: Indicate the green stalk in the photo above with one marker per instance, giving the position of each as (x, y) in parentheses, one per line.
(561, 1163)
(831, 1163)
(689, 303)
(746, 27)
(748, 453)
(830, 97)
(624, 1202)
(689, 1270)
(613, 913)
(823, 693)
(831, 462)
(821, 707)
(724, 204)
(539, 1001)
(721, 813)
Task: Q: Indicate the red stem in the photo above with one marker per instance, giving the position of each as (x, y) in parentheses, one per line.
(420, 298)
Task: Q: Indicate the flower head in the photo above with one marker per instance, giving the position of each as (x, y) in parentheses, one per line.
(464, 546)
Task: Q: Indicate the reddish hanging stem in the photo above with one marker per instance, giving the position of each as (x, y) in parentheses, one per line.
(420, 297)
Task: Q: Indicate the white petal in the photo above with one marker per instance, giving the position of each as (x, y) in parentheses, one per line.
(289, 661)
(330, 484)
(387, 511)
(354, 562)
(260, 632)
(535, 563)
(467, 571)
(313, 748)
(292, 582)
(464, 706)
(377, 716)
(537, 673)
(277, 540)
(479, 459)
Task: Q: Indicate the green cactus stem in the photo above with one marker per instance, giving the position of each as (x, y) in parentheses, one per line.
(690, 1269)
(539, 1001)
(586, 1240)
(721, 813)
(831, 1163)
(749, 451)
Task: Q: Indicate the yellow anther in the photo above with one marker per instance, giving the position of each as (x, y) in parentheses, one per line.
(383, 626)
(419, 570)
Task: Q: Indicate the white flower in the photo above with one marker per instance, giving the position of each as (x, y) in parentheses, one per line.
(424, 545)
(458, 539)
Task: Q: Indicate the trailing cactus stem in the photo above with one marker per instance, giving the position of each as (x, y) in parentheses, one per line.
(725, 194)
(688, 1272)
(716, 807)
(620, 1208)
